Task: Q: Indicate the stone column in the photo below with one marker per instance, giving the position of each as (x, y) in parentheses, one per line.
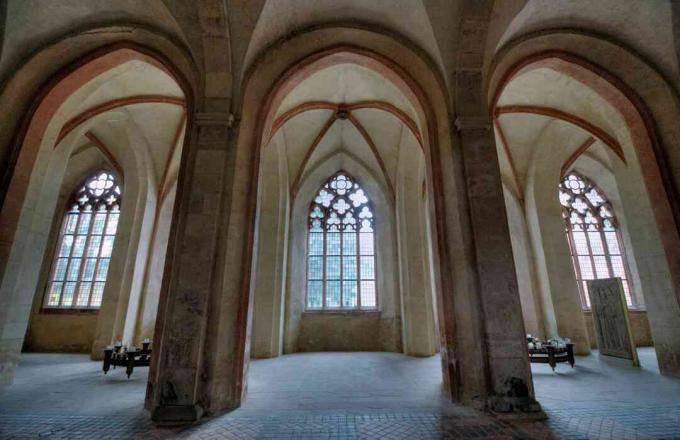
(175, 379)
(510, 387)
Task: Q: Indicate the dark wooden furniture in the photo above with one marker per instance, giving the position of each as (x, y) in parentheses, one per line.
(552, 354)
(121, 356)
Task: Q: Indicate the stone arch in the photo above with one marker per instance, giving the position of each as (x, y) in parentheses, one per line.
(35, 157)
(274, 68)
(302, 60)
(644, 138)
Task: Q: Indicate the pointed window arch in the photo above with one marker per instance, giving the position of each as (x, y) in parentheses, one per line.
(594, 237)
(88, 230)
(341, 263)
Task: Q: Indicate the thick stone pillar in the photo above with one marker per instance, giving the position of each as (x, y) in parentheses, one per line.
(509, 382)
(176, 380)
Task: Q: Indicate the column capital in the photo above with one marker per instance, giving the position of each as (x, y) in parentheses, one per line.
(473, 123)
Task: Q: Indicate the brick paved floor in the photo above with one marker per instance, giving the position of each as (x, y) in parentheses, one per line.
(387, 396)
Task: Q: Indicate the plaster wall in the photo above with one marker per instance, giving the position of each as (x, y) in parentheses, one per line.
(414, 270)
(524, 266)
(270, 282)
(146, 318)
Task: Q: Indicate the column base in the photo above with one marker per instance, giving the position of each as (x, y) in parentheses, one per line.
(169, 415)
(516, 408)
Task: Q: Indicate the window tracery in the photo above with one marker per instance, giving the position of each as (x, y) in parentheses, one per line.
(341, 264)
(594, 236)
(81, 261)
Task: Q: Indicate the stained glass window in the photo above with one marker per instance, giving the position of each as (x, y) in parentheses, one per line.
(594, 236)
(341, 264)
(81, 260)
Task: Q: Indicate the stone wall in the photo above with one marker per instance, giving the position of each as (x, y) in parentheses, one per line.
(363, 331)
(61, 332)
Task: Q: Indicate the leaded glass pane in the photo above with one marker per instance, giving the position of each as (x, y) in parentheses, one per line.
(349, 294)
(586, 268)
(367, 268)
(112, 224)
(333, 268)
(333, 293)
(596, 245)
(366, 246)
(88, 271)
(84, 294)
(368, 294)
(580, 243)
(60, 269)
(617, 266)
(99, 223)
(55, 294)
(84, 225)
(349, 268)
(71, 223)
(107, 246)
(79, 246)
(93, 246)
(349, 243)
(333, 243)
(315, 243)
(66, 245)
(612, 242)
(315, 270)
(97, 294)
(315, 294)
(74, 269)
(102, 269)
(67, 295)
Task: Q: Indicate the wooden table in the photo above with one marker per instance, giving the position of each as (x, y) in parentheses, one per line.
(552, 355)
(128, 358)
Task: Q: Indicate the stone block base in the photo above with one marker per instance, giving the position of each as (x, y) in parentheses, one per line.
(169, 415)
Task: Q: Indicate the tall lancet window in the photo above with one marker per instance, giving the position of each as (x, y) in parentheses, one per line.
(81, 260)
(594, 236)
(341, 264)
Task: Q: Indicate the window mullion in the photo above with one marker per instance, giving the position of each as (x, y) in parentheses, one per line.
(325, 255)
(70, 259)
(626, 270)
(83, 261)
(99, 257)
(342, 304)
(55, 262)
(577, 266)
(358, 259)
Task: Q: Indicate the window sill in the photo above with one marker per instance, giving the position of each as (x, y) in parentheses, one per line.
(66, 311)
(341, 312)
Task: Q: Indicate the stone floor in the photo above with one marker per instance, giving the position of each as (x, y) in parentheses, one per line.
(343, 396)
